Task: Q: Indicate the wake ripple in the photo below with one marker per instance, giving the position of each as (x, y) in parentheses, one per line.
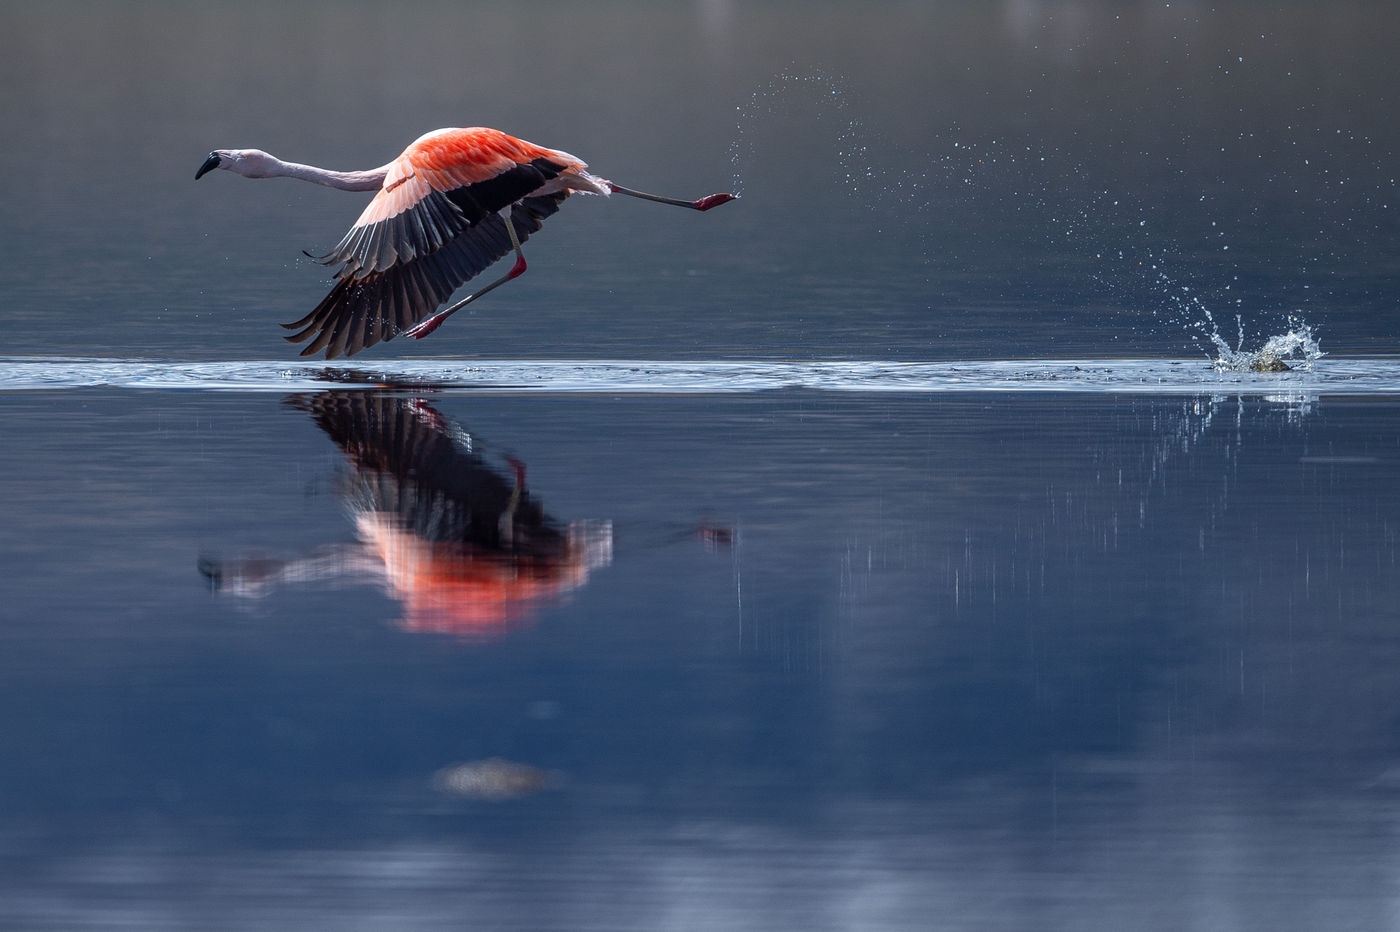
(1332, 375)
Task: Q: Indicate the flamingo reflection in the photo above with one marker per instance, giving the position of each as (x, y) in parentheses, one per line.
(461, 545)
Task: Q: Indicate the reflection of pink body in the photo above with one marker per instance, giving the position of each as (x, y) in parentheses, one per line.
(461, 589)
(464, 547)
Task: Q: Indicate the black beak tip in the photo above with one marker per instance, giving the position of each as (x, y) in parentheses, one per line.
(209, 165)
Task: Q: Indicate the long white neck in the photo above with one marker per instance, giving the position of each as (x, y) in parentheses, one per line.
(370, 180)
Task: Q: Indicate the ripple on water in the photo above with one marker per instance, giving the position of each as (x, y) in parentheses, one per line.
(1307, 375)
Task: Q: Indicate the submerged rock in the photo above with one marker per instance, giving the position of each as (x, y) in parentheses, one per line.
(1267, 361)
(494, 779)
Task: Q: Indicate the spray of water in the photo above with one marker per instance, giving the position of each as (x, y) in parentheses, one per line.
(1026, 184)
(1297, 348)
(904, 190)
(825, 98)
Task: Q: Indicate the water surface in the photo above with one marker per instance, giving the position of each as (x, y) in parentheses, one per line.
(1306, 378)
(836, 658)
(909, 541)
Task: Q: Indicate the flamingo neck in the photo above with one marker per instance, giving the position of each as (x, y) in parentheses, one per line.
(370, 180)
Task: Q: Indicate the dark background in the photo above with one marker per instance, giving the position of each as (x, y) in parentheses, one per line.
(919, 180)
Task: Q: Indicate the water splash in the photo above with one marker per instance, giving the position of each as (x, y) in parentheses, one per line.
(1298, 348)
(1186, 305)
(1166, 244)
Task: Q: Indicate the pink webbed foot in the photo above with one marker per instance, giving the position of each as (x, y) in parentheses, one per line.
(714, 200)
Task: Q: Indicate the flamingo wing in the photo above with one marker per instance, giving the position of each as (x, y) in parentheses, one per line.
(411, 462)
(435, 224)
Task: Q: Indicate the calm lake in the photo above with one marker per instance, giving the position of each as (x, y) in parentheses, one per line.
(884, 550)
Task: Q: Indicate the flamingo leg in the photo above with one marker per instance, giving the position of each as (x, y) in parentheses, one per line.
(423, 328)
(507, 521)
(705, 203)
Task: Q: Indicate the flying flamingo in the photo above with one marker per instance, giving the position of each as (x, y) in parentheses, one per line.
(437, 221)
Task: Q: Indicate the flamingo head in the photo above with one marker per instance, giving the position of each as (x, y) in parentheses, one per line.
(250, 163)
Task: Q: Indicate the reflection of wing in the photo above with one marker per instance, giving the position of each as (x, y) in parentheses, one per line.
(463, 547)
(412, 464)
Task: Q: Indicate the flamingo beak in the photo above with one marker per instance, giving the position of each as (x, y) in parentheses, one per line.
(209, 165)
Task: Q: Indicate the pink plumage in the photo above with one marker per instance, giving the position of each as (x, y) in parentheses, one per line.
(455, 202)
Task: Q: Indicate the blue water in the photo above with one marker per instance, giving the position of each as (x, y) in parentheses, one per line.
(911, 542)
(1083, 650)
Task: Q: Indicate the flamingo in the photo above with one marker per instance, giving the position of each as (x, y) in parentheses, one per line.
(437, 221)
